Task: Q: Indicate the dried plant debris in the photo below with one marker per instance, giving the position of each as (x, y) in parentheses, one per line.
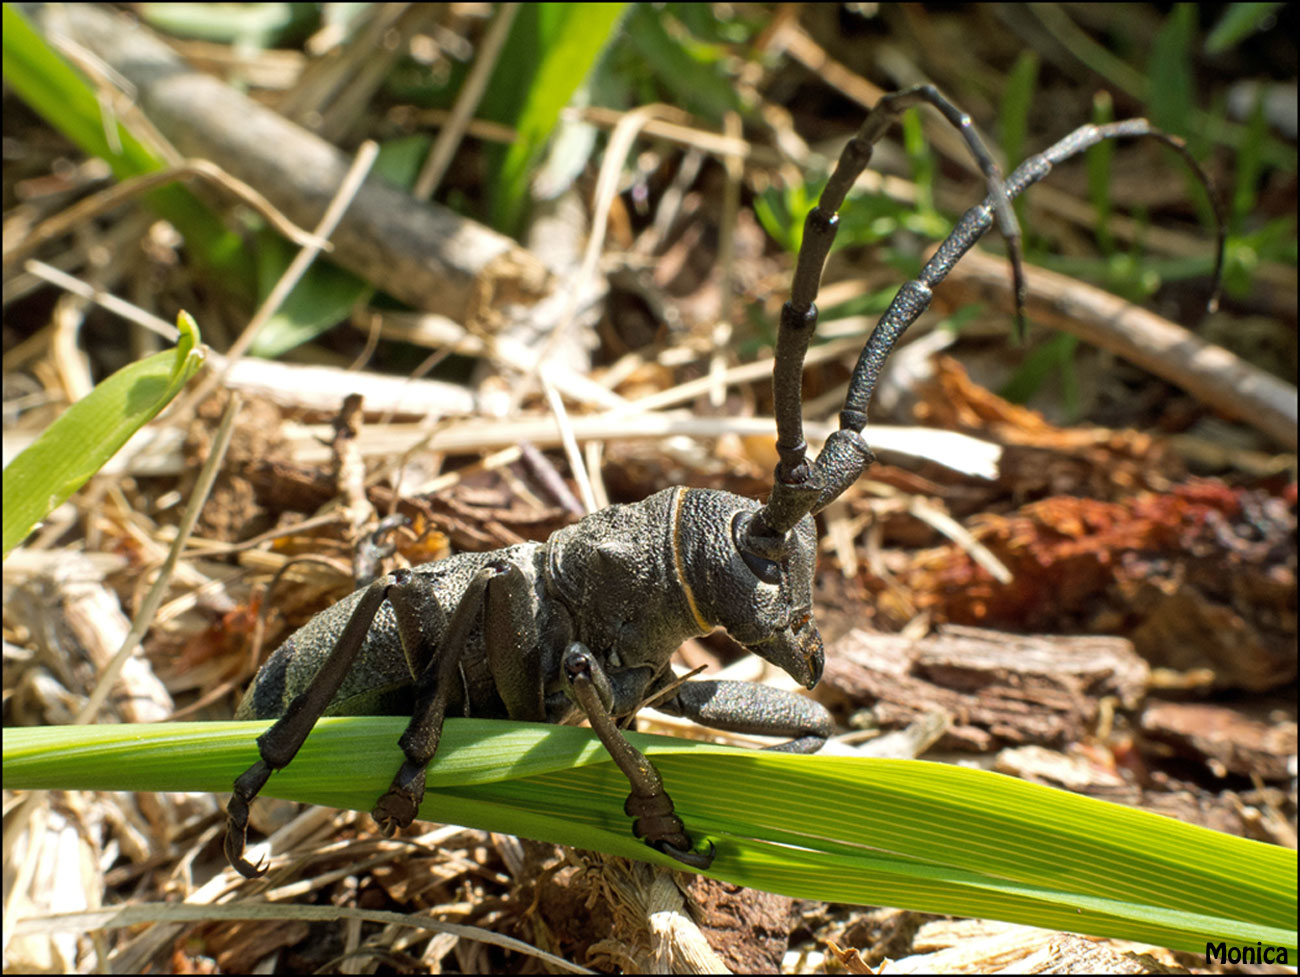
(1000, 689)
(234, 511)
(1200, 576)
(1039, 457)
(613, 914)
(974, 946)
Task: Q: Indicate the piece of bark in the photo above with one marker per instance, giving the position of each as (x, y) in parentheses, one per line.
(421, 253)
(1225, 739)
(1001, 689)
(748, 929)
(1202, 576)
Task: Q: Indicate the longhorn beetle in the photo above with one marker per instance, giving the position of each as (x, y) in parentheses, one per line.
(583, 625)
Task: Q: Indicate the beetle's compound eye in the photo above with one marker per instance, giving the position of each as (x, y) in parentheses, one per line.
(767, 570)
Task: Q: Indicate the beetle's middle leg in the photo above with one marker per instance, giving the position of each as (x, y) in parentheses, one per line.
(514, 672)
(434, 661)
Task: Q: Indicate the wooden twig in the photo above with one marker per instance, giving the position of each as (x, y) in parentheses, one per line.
(421, 253)
(1210, 373)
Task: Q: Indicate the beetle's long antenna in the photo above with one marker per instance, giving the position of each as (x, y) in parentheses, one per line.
(846, 454)
(794, 489)
(799, 488)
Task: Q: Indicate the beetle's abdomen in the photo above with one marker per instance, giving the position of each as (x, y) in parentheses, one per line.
(379, 681)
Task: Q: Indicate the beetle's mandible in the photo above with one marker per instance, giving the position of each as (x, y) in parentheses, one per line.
(583, 625)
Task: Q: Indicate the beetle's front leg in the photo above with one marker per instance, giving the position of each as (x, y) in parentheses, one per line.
(744, 707)
(649, 803)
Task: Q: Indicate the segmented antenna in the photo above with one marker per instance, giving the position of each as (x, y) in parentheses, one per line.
(794, 488)
(799, 488)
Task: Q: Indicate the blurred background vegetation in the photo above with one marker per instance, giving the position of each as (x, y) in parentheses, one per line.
(796, 79)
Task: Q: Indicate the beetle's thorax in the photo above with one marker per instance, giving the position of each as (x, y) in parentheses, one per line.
(616, 571)
(640, 579)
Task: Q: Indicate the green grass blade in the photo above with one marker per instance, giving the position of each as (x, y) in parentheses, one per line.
(322, 297)
(1017, 101)
(1053, 356)
(91, 431)
(1250, 163)
(548, 55)
(1171, 92)
(1170, 83)
(1238, 22)
(61, 96)
(903, 833)
(695, 73)
(1100, 159)
(921, 157)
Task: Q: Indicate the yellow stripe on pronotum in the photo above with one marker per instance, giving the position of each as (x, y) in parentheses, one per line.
(677, 559)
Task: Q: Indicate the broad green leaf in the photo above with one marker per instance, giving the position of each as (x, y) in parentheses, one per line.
(905, 833)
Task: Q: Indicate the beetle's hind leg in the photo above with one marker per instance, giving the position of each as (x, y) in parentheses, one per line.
(280, 744)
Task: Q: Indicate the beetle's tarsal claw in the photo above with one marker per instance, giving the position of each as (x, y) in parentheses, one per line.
(247, 785)
(246, 868)
(400, 805)
(237, 838)
(695, 859)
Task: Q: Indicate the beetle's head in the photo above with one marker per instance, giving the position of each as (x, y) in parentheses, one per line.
(765, 604)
